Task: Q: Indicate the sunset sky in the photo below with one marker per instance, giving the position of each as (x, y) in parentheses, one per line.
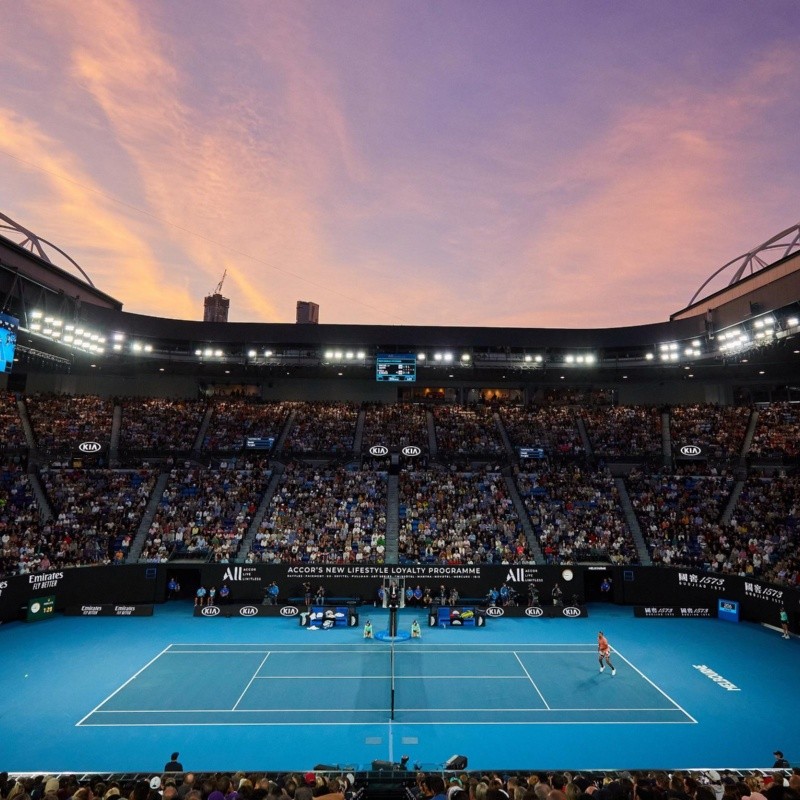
(558, 163)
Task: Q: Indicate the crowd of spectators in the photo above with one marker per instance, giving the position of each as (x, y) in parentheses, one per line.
(156, 424)
(458, 518)
(12, 434)
(323, 428)
(206, 511)
(324, 514)
(232, 420)
(718, 430)
(96, 513)
(777, 433)
(61, 422)
(762, 538)
(20, 524)
(710, 784)
(576, 514)
(552, 427)
(395, 426)
(620, 431)
(680, 514)
(466, 431)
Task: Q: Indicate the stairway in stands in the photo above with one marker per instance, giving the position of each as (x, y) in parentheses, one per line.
(147, 519)
(392, 519)
(633, 522)
(255, 523)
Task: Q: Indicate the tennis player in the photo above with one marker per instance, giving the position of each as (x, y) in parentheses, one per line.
(604, 653)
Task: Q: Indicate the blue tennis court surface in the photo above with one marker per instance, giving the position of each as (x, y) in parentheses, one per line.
(105, 694)
(473, 684)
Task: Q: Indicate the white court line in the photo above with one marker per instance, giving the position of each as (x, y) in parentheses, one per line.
(120, 688)
(296, 710)
(250, 683)
(352, 724)
(531, 680)
(387, 677)
(657, 688)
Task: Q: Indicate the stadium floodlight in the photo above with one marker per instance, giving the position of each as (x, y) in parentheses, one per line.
(337, 354)
(69, 338)
(251, 353)
(69, 327)
(349, 355)
(663, 348)
(268, 353)
(35, 326)
(538, 359)
(119, 337)
(580, 359)
(136, 347)
(569, 359)
(695, 343)
(117, 346)
(208, 352)
(673, 346)
(528, 359)
(148, 348)
(57, 323)
(56, 334)
(648, 356)
(218, 353)
(465, 357)
(437, 356)
(36, 314)
(665, 356)
(361, 354)
(673, 356)
(793, 322)
(47, 331)
(591, 358)
(420, 356)
(448, 356)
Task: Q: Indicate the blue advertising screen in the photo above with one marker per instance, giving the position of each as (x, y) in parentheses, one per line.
(8, 341)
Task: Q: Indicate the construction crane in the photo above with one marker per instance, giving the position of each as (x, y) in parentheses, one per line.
(218, 290)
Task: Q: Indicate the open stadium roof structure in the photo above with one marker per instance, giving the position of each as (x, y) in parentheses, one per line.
(69, 323)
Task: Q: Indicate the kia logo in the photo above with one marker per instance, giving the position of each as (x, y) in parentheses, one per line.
(494, 611)
(90, 447)
(690, 450)
(248, 611)
(289, 611)
(210, 611)
(534, 611)
(412, 450)
(571, 611)
(379, 450)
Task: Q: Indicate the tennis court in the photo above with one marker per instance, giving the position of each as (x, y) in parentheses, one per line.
(106, 694)
(312, 684)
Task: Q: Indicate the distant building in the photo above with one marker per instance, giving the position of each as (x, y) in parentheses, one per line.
(215, 308)
(307, 313)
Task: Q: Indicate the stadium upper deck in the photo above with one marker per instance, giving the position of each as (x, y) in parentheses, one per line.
(745, 334)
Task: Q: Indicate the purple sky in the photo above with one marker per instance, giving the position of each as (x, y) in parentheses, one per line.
(557, 164)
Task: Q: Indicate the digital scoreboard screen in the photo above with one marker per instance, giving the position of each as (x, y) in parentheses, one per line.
(259, 442)
(8, 341)
(396, 367)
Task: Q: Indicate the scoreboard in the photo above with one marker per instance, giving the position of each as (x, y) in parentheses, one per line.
(396, 367)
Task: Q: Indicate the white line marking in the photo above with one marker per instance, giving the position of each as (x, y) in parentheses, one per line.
(250, 683)
(354, 724)
(657, 688)
(388, 677)
(296, 710)
(533, 682)
(120, 688)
